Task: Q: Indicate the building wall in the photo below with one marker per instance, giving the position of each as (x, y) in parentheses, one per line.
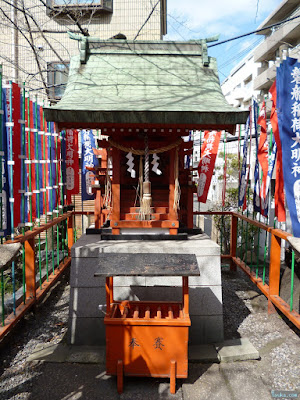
(278, 43)
(52, 43)
(238, 86)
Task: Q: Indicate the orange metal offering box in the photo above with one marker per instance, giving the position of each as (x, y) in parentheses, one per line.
(147, 338)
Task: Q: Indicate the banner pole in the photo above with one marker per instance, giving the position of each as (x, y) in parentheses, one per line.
(29, 161)
(37, 183)
(45, 190)
(1, 204)
(51, 192)
(11, 189)
(23, 185)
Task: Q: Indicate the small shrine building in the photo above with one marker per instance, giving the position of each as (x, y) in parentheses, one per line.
(144, 96)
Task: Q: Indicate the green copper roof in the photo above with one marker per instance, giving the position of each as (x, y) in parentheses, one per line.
(121, 81)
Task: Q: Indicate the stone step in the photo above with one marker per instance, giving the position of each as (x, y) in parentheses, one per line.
(154, 210)
(136, 217)
(145, 224)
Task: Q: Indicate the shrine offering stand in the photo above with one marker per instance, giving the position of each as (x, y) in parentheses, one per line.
(147, 338)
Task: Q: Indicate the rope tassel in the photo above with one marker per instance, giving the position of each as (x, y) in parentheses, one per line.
(145, 209)
(177, 191)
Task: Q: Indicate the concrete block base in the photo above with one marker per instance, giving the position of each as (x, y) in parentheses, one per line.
(86, 325)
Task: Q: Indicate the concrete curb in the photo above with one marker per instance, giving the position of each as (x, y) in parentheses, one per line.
(227, 351)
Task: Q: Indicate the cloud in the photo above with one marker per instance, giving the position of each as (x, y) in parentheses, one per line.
(223, 16)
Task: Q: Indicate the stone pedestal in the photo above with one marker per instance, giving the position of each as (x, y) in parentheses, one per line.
(86, 325)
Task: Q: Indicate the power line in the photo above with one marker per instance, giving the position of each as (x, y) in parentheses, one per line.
(251, 33)
(147, 19)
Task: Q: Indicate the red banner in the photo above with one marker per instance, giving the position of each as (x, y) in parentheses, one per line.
(263, 151)
(206, 165)
(17, 151)
(31, 134)
(72, 163)
(224, 178)
(279, 183)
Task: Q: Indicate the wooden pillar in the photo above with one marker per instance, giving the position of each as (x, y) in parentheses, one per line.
(190, 207)
(30, 268)
(70, 233)
(172, 213)
(111, 289)
(173, 377)
(107, 290)
(274, 272)
(97, 211)
(116, 195)
(233, 239)
(185, 295)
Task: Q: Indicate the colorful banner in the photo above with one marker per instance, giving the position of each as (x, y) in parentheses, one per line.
(62, 167)
(17, 151)
(72, 163)
(288, 108)
(24, 199)
(33, 160)
(88, 160)
(5, 227)
(224, 174)
(272, 159)
(279, 182)
(244, 176)
(53, 178)
(206, 165)
(263, 152)
(256, 189)
(39, 138)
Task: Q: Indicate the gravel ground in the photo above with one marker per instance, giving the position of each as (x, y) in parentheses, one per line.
(245, 315)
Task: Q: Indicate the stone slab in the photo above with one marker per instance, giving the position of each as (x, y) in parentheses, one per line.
(83, 270)
(62, 352)
(205, 353)
(225, 381)
(91, 246)
(147, 264)
(206, 329)
(236, 350)
(49, 352)
(86, 331)
(84, 302)
(8, 252)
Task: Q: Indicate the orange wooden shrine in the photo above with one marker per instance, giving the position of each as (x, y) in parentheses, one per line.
(124, 209)
(147, 338)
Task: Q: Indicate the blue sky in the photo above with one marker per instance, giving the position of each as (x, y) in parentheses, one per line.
(197, 19)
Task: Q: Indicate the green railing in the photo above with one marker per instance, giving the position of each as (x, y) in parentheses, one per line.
(44, 256)
(256, 249)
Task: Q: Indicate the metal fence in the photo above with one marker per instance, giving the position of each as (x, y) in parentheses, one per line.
(247, 238)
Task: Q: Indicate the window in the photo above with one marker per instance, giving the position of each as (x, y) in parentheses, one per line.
(57, 74)
(60, 7)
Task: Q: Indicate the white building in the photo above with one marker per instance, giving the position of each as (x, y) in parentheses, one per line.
(238, 87)
(280, 41)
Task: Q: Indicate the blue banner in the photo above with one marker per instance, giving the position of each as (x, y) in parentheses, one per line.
(188, 158)
(55, 182)
(271, 165)
(243, 180)
(5, 220)
(88, 160)
(63, 165)
(24, 202)
(288, 111)
(256, 196)
(40, 158)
